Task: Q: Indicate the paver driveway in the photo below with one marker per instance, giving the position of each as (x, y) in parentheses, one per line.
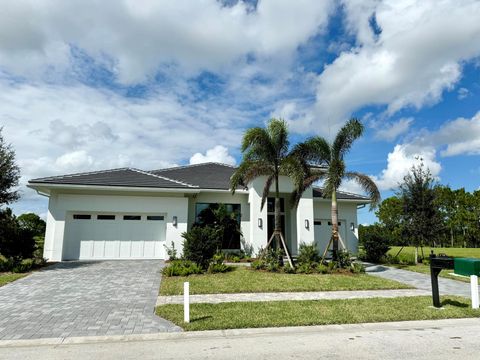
(83, 298)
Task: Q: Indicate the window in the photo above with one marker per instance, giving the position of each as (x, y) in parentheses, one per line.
(271, 205)
(132, 217)
(317, 223)
(339, 223)
(82, 217)
(155, 217)
(105, 217)
(205, 215)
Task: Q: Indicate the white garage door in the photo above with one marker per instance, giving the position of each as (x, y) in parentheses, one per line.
(95, 236)
(323, 233)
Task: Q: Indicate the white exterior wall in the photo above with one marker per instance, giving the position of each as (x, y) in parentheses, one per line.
(295, 222)
(347, 211)
(61, 204)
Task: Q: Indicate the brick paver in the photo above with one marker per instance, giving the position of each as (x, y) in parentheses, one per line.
(83, 299)
(420, 281)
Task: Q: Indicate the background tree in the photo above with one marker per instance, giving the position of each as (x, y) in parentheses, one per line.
(33, 223)
(329, 161)
(266, 152)
(422, 220)
(9, 173)
(390, 215)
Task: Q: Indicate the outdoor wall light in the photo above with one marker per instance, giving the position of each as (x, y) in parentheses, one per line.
(352, 227)
(260, 223)
(307, 224)
(174, 221)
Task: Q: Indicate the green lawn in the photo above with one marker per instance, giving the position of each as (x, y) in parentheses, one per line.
(245, 280)
(5, 278)
(322, 312)
(457, 252)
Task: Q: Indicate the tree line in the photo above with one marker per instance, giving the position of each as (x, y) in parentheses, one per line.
(425, 213)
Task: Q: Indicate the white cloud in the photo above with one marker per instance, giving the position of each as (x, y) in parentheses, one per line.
(463, 93)
(391, 131)
(218, 154)
(416, 57)
(134, 38)
(401, 160)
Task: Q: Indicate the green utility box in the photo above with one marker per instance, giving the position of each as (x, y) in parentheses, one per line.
(466, 266)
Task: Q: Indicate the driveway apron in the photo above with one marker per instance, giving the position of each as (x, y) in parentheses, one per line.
(83, 299)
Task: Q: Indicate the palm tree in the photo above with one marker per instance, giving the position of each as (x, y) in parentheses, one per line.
(329, 166)
(266, 152)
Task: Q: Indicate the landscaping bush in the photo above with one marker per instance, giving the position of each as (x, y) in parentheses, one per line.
(247, 248)
(217, 265)
(307, 254)
(200, 244)
(344, 259)
(357, 268)
(322, 269)
(171, 252)
(271, 261)
(376, 245)
(287, 269)
(24, 265)
(181, 268)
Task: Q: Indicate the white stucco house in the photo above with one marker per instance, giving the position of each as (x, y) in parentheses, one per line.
(131, 214)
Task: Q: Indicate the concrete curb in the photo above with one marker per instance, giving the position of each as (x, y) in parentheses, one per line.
(252, 332)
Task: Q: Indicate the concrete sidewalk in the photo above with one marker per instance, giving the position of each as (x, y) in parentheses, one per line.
(283, 296)
(432, 339)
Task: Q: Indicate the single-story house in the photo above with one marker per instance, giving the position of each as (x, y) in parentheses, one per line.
(132, 214)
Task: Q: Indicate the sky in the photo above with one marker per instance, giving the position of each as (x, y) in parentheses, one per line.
(88, 85)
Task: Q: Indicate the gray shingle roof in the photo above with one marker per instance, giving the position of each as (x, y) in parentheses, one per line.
(214, 176)
(205, 176)
(114, 177)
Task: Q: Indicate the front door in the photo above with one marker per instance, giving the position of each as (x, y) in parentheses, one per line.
(271, 217)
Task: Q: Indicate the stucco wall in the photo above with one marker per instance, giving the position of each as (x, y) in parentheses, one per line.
(60, 204)
(347, 211)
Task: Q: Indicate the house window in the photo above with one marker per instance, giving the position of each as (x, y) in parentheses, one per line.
(205, 216)
(339, 223)
(317, 222)
(105, 217)
(132, 217)
(82, 217)
(155, 217)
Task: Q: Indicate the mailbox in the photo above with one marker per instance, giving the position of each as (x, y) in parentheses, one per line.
(467, 266)
(437, 264)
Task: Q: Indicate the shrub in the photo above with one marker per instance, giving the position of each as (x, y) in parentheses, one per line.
(307, 268)
(217, 265)
(24, 265)
(287, 269)
(357, 268)
(171, 252)
(308, 254)
(247, 248)
(200, 244)
(376, 245)
(181, 268)
(343, 259)
(271, 261)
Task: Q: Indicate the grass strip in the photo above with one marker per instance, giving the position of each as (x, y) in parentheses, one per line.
(245, 280)
(319, 312)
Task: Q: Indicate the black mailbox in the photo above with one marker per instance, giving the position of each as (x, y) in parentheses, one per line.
(437, 264)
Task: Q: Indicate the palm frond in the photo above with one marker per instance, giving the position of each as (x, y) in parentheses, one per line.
(257, 140)
(266, 190)
(315, 150)
(278, 131)
(368, 185)
(351, 131)
(247, 171)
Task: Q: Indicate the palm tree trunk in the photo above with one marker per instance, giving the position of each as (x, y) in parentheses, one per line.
(334, 224)
(278, 222)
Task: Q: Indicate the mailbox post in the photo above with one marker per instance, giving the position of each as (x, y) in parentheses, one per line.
(437, 264)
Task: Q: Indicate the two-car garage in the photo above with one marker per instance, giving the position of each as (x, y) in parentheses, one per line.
(96, 236)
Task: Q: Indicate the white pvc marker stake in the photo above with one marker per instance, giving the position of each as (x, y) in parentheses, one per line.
(474, 291)
(186, 302)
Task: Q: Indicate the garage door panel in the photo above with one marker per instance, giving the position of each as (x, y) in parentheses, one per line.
(100, 238)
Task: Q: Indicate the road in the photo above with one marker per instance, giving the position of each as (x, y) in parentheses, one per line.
(442, 339)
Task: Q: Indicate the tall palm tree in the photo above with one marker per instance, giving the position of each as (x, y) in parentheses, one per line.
(266, 152)
(327, 164)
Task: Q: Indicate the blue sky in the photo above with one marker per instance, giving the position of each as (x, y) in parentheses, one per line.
(88, 85)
